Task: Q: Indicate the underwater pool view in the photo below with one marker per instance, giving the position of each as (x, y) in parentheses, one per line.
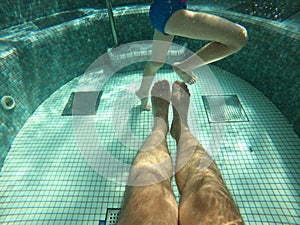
(46, 178)
(67, 145)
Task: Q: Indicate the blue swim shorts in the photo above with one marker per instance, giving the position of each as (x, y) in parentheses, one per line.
(162, 10)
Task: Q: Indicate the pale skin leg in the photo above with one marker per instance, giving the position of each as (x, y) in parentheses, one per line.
(149, 199)
(159, 53)
(205, 198)
(226, 38)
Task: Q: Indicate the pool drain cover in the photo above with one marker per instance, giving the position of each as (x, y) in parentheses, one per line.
(82, 103)
(224, 108)
(112, 216)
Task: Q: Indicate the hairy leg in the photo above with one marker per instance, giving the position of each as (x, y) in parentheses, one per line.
(160, 47)
(205, 198)
(149, 199)
(226, 37)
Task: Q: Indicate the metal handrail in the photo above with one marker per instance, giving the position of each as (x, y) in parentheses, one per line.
(112, 21)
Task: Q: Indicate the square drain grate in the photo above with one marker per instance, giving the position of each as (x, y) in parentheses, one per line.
(224, 108)
(82, 103)
(112, 216)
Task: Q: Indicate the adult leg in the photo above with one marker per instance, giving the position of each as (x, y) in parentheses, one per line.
(226, 37)
(205, 198)
(160, 47)
(149, 198)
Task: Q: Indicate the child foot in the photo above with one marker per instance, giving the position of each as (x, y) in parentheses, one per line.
(180, 103)
(160, 98)
(187, 76)
(145, 105)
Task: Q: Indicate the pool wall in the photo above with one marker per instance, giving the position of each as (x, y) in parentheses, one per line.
(36, 61)
(20, 11)
(270, 62)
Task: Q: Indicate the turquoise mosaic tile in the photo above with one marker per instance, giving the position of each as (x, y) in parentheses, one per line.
(31, 59)
(47, 180)
(274, 10)
(35, 63)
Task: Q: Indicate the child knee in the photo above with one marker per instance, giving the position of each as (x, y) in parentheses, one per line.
(242, 38)
(244, 35)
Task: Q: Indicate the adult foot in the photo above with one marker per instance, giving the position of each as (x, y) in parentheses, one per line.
(180, 103)
(186, 76)
(160, 98)
(145, 105)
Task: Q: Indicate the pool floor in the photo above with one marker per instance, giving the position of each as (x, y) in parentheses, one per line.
(71, 169)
